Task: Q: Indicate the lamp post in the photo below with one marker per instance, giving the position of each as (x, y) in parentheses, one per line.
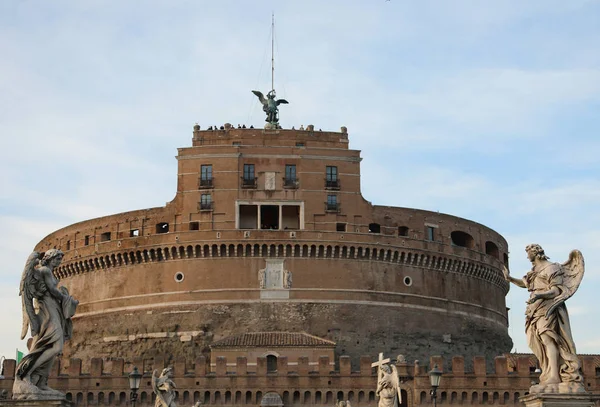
(135, 377)
(435, 375)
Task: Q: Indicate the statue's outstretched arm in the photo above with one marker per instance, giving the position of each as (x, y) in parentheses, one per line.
(519, 282)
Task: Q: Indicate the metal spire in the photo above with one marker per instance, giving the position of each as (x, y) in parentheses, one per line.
(272, 51)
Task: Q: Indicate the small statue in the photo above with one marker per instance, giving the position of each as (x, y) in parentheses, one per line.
(547, 321)
(164, 388)
(270, 106)
(287, 279)
(388, 386)
(50, 322)
(342, 403)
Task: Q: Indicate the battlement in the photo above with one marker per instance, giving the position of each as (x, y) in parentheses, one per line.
(228, 135)
(299, 382)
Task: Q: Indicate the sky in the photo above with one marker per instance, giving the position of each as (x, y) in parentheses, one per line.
(483, 110)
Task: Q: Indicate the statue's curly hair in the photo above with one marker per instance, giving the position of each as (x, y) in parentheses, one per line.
(49, 255)
(537, 250)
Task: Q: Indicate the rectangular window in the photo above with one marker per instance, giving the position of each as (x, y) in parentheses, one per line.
(205, 201)
(87, 240)
(206, 177)
(299, 144)
(332, 204)
(430, 233)
(194, 226)
(105, 237)
(340, 227)
(68, 245)
(331, 177)
(290, 176)
(331, 173)
(134, 233)
(248, 171)
(249, 180)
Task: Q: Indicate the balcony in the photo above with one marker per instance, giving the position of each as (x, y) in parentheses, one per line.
(249, 183)
(291, 183)
(205, 206)
(332, 207)
(332, 184)
(206, 183)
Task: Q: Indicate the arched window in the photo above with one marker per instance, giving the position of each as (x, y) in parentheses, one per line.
(374, 228)
(162, 227)
(492, 249)
(271, 363)
(462, 239)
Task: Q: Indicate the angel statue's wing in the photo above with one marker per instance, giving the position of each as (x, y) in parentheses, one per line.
(261, 97)
(280, 101)
(573, 270)
(396, 383)
(27, 291)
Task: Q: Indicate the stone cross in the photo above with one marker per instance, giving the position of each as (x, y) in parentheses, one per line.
(380, 362)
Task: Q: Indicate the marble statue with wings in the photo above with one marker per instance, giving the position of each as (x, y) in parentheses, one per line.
(270, 106)
(547, 322)
(164, 388)
(388, 386)
(47, 312)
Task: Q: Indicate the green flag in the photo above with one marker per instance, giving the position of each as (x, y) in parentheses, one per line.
(19, 356)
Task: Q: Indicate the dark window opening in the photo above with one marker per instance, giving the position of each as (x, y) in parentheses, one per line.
(248, 216)
(332, 204)
(430, 233)
(505, 257)
(271, 363)
(205, 202)
(462, 239)
(374, 228)
(492, 249)
(236, 143)
(340, 227)
(290, 180)
(206, 176)
(269, 217)
(290, 217)
(403, 231)
(249, 179)
(87, 240)
(194, 226)
(68, 245)
(331, 177)
(299, 144)
(162, 227)
(105, 237)
(134, 233)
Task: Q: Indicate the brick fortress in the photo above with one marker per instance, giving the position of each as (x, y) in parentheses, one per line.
(269, 272)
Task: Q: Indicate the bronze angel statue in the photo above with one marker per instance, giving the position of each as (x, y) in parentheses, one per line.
(47, 311)
(270, 106)
(164, 388)
(388, 386)
(547, 321)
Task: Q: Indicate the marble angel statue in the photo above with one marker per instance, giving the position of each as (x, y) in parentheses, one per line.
(47, 312)
(388, 386)
(164, 388)
(547, 322)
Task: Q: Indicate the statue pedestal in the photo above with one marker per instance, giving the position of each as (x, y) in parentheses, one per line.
(36, 403)
(560, 400)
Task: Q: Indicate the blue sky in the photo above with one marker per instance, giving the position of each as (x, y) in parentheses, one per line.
(484, 110)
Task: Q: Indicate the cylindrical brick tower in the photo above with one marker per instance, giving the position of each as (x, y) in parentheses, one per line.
(269, 231)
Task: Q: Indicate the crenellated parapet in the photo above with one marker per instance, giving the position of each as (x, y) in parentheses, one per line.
(105, 381)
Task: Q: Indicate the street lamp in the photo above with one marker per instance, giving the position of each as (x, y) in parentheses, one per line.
(135, 377)
(435, 375)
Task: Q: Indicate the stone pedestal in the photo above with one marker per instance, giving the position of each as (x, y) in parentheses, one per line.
(560, 400)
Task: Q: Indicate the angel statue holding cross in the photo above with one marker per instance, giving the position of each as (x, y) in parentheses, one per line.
(547, 321)
(388, 383)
